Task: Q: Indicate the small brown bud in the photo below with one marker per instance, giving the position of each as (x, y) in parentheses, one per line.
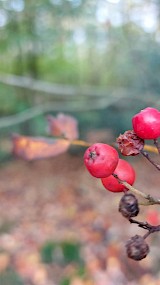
(129, 143)
(137, 248)
(128, 206)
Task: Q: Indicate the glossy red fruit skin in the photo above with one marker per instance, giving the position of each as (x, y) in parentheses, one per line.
(101, 159)
(125, 172)
(146, 123)
(152, 217)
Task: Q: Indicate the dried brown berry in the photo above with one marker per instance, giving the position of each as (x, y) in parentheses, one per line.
(128, 206)
(129, 143)
(137, 248)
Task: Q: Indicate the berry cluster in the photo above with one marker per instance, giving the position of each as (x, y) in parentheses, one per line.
(117, 175)
(102, 161)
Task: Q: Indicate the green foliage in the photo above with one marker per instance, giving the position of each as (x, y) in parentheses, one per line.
(8, 100)
(63, 253)
(46, 39)
(71, 252)
(65, 281)
(47, 252)
(64, 42)
(10, 277)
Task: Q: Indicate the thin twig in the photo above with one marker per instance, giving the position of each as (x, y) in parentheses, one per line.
(150, 200)
(80, 143)
(146, 155)
(146, 226)
(57, 106)
(147, 147)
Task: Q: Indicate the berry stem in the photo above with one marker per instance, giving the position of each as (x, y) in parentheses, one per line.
(146, 155)
(150, 200)
(146, 226)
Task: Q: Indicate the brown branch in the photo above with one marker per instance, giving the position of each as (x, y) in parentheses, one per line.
(147, 156)
(146, 226)
(53, 106)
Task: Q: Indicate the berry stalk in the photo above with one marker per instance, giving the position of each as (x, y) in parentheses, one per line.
(146, 226)
(150, 200)
(147, 156)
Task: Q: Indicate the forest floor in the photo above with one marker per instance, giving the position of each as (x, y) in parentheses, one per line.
(58, 225)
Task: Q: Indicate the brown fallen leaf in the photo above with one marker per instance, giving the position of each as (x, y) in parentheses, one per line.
(30, 148)
(63, 125)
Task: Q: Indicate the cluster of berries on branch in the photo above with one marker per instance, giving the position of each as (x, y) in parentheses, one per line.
(117, 175)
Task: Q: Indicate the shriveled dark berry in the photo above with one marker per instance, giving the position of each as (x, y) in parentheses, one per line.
(137, 248)
(128, 206)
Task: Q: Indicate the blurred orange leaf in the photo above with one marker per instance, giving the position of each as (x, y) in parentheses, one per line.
(63, 125)
(4, 260)
(31, 148)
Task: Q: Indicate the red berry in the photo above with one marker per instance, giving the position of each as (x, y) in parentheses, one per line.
(153, 217)
(125, 172)
(101, 159)
(146, 123)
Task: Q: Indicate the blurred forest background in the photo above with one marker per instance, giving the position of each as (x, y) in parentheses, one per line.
(98, 61)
